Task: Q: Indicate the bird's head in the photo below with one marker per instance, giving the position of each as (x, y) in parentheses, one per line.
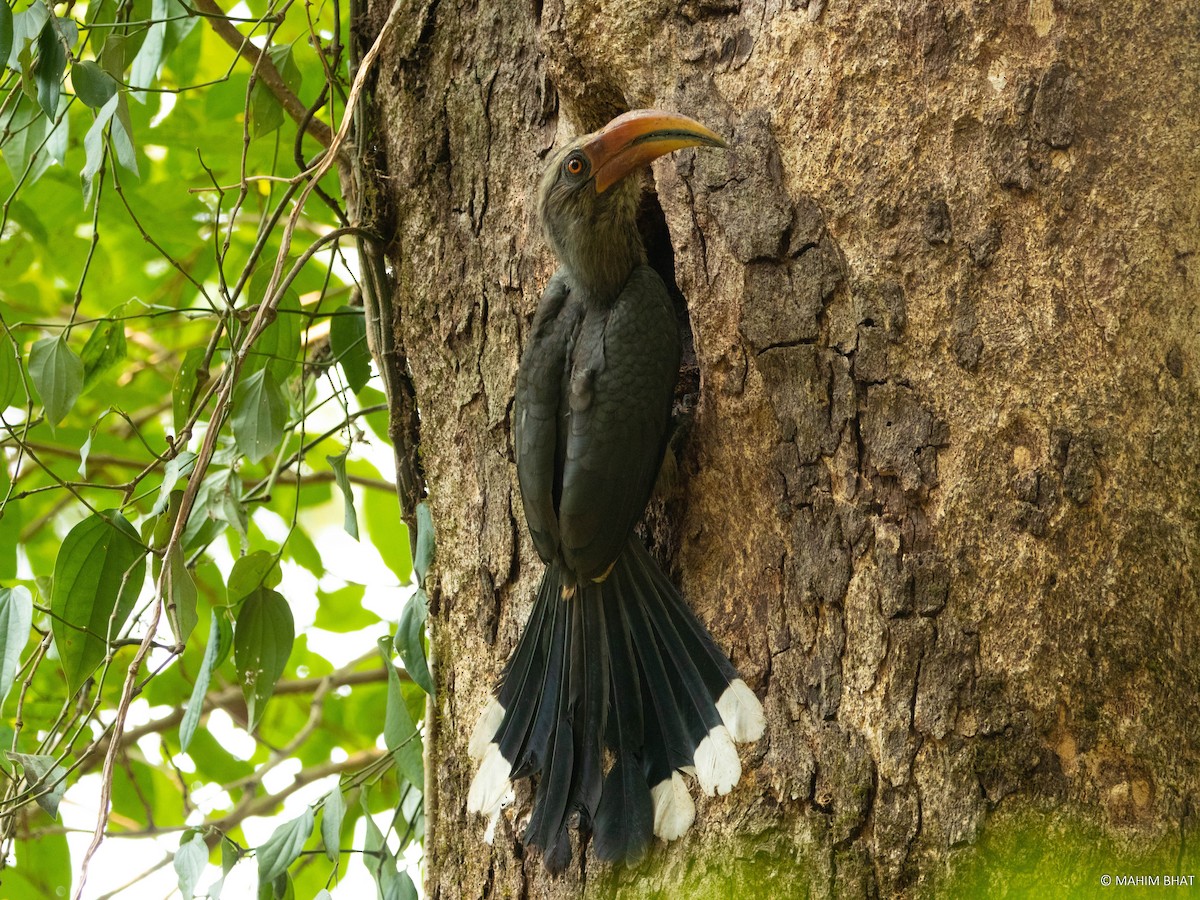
(587, 203)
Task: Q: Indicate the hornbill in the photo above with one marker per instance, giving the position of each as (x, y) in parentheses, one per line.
(615, 687)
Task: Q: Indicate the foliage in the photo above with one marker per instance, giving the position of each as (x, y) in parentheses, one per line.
(184, 379)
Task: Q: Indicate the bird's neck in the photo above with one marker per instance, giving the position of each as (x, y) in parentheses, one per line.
(600, 265)
(601, 248)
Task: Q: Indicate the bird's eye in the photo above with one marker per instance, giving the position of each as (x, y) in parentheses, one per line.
(576, 164)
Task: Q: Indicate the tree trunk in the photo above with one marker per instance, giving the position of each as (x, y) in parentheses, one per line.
(938, 480)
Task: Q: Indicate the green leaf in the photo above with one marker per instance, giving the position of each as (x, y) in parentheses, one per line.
(145, 65)
(105, 348)
(93, 86)
(425, 542)
(57, 374)
(391, 883)
(16, 618)
(93, 146)
(41, 772)
(262, 641)
(6, 33)
(349, 517)
(388, 532)
(97, 578)
(266, 113)
(122, 135)
(259, 414)
(10, 369)
(187, 380)
(27, 26)
(405, 889)
(400, 734)
(231, 854)
(25, 128)
(177, 467)
(181, 596)
(283, 847)
(52, 63)
(409, 640)
(331, 823)
(11, 521)
(259, 569)
(220, 637)
(348, 342)
(191, 859)
(278, 347)
(85, 450)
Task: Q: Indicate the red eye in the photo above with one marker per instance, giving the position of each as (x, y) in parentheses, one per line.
(575, 166)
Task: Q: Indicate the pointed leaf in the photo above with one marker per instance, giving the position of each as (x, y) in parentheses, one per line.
(278, 347)
(10, 371)
(348, 342)
(349, 517)
(259, 414)
(42, 772)
(85, 450)
(378, 856)
(177, 467)
(27, 25)
(400, 734)
(187, 380)
(181, 594)
(145, 65)
(97, 578)
(265, 112)
(255, 570)
(408, 640)
(25, 129)
(230, 856)
(262, 642)
(16, 618)
(283, 847)
(92, 84)
(57, 374)
(122, 135)
(331, 823)
(93, 145)
(191, 859)
(425, 542)
(405, 889)
(220, 637)
(6, 32)
(105, 348)
(52, 62)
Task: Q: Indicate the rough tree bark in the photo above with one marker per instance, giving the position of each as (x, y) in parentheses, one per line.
(938, 486)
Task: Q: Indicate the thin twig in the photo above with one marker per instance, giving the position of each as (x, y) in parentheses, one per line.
(291, 104)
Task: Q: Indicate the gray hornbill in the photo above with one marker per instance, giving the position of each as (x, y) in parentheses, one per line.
(615, 687)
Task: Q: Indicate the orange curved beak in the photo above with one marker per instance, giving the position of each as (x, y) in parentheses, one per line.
(633, 139)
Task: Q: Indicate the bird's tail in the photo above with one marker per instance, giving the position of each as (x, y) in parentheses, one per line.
(611, 696)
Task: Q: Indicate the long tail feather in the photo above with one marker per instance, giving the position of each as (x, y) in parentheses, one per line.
(625, 819)
(621, 666)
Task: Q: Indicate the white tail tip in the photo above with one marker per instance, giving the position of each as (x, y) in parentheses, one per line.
(486, 728)
(674, 811)
(741, 712)
(717, 765)
(491, 789)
